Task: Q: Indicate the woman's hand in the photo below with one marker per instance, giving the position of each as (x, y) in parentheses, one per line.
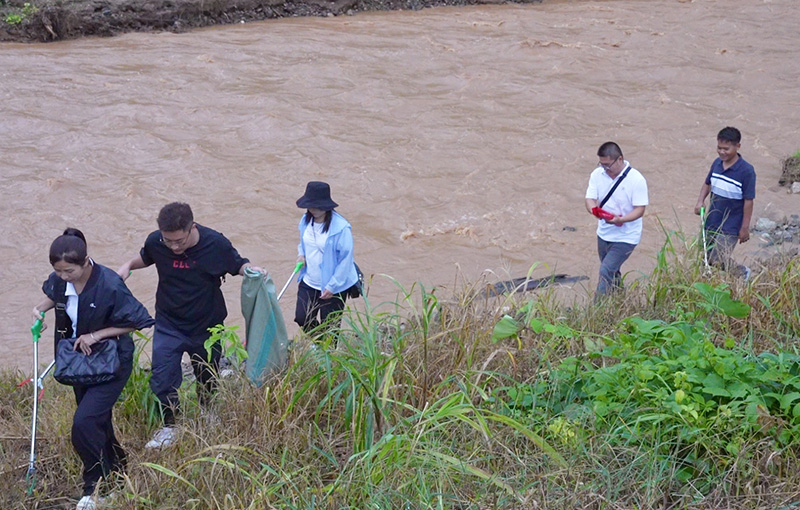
(326, 294)
(300, 259)
(85, 343)
(39, 316)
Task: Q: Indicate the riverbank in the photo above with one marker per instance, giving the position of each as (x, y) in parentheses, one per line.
(680, 395)
(55, 20)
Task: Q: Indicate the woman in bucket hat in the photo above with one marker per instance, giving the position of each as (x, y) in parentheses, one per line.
(326, 248)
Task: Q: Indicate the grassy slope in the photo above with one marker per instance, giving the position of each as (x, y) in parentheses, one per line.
(418, 407)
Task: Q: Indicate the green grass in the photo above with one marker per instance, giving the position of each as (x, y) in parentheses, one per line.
(682, 393)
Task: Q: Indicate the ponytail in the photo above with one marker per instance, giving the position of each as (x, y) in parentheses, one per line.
(69, 247)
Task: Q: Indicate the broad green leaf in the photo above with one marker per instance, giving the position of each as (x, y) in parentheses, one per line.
(507, 327)
(733, 308)
(716, 391)
(713, 381)
(536, 325)
(786, 400)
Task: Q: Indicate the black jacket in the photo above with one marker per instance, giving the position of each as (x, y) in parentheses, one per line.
(104, 302)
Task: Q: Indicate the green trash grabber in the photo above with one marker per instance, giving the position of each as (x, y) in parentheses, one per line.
(703, 230)
(30, 476)
(296, 270)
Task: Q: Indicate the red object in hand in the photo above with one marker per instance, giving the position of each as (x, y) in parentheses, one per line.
(602, 213)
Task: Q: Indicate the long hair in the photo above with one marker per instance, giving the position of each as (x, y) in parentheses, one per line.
(326, 223)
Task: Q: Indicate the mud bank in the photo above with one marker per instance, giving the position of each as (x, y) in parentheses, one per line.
(32, 21)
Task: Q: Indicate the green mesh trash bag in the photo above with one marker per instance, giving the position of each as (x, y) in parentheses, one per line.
(265, 332)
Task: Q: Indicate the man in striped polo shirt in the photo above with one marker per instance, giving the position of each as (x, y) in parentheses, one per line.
(732, 185)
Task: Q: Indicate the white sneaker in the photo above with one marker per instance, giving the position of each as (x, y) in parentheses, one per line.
(747, 273)
(164, 436)
(86, 503)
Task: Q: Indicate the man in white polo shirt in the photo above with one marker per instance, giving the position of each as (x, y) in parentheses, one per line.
(617, 195)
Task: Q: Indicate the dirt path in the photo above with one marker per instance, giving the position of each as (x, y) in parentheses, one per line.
(53, 20)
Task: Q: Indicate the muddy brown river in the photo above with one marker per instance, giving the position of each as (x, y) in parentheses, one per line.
(456, 140)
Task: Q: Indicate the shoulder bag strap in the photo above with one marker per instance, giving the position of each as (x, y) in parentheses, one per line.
(614, 187)
(63, 326)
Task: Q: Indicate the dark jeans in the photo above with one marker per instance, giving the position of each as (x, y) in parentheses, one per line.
(612, 256)
(309, 305)
(169, 344)
(92, 430)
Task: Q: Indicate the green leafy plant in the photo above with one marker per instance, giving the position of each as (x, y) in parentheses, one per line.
(671, 385)
(718, 299)
(527, 317)
(16, 18)
(137, 399)
(229, 341)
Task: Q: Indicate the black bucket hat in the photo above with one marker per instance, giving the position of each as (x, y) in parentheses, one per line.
(317, 196)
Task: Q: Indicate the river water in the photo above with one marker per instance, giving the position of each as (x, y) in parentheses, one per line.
(456, 140)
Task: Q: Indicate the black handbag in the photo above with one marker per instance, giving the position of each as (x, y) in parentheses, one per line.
(74, 368)
(357, 290)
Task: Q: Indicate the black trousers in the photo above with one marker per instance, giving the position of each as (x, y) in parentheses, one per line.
(166, 377)
(309, 306)
(92, 431)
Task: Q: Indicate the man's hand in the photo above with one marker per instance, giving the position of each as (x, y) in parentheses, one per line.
(705, 189)
(124, 271)
(326, 294)
(251, 268)
(744, 234)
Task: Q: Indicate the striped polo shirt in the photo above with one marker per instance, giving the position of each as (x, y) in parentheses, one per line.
(729, 189)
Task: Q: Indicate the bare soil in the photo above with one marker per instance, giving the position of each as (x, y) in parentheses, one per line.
(53, 20)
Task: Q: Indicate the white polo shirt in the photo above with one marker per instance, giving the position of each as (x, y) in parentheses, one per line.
(632, 192)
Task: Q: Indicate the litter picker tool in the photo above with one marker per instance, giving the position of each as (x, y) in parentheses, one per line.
(30, 476)
(286, 286)
(703, 230)
(39, 382)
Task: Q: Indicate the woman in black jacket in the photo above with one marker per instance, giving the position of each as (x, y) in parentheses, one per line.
(92, 304)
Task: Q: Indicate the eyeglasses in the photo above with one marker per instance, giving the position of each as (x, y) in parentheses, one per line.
(606, 166)
(177, 242)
